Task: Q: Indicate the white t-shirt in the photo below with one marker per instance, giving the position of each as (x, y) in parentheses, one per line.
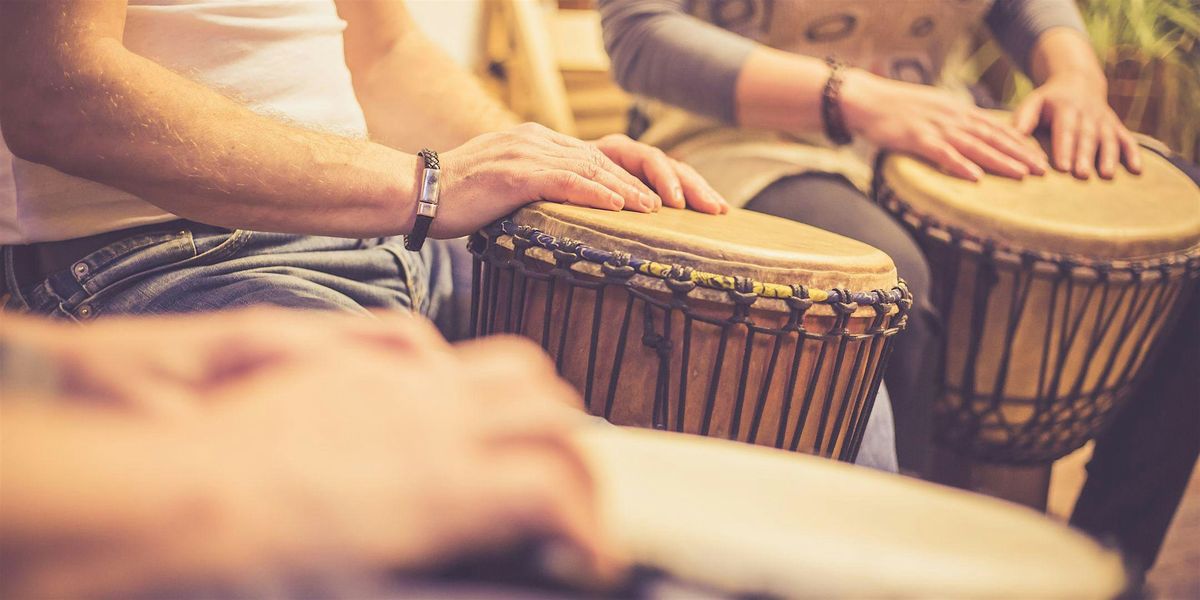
(278, 57)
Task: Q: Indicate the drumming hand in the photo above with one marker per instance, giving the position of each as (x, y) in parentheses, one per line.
(167, 365)
(1085, 133)
(408, 457)
(951, 133)
(494, 174)
(679, 185)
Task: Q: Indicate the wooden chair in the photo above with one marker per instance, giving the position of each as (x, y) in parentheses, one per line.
(548, 63)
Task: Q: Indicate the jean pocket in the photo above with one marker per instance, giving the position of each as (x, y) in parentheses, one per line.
(132, 256)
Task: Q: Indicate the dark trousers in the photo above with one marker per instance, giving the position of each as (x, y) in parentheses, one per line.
(831, 203)
(1140, 465)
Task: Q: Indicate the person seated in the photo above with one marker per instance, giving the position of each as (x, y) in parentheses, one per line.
(736, 88)
(275, 452)
(178, 157)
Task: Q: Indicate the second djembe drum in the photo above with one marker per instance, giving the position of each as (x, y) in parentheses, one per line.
(741, 326)
(1055, 292)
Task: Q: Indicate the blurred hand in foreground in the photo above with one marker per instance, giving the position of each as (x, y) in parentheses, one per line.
(293, 439)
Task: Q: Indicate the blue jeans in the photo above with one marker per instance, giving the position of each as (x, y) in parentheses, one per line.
(203, 269)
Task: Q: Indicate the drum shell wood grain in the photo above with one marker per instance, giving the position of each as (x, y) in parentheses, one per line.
(751, 399)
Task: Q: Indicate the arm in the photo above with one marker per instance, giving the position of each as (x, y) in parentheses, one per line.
(1046, 37)
(1017, 24)
(412, 93)
(410, 90)
(1086, 136)
(74, 98)
(660, 51)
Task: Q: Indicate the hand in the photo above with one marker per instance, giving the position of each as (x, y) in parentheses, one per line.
(314, 435)
(677, 183)
(392, 461)
(496, 173)
(1085, 133)
(961, 139)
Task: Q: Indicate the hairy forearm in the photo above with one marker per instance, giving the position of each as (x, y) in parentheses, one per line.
(98, 111)
(416, 96)
(1063, 51)
(104, 504)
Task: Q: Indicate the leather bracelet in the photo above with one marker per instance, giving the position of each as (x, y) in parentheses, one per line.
(831, 105)
(427, 200)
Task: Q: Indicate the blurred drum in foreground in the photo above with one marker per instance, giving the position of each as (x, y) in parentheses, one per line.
(741, 326)
(757, 522)
(1056, 292)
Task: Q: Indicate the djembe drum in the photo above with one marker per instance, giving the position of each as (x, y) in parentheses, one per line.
(1055, 292)
(741, 326)
(755, 522)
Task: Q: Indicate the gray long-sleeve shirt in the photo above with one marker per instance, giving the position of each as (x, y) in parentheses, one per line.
(660, 51)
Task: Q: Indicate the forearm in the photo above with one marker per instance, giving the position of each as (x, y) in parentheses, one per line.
(782, 91)
(1020, 25)
(660, 51)
(97, 111)
(1066, 52)
(99, 504)
(413, 94)
(416, 96)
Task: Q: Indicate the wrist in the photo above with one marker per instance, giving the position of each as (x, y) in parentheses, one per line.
(1064, 53)
(1080, 81)
(860, 92)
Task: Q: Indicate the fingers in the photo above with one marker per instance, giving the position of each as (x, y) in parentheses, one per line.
(1064, 131)
(1085, 149)
(1110, 152)
(1131, 152)
(548, 490)
(697, 192)
(572, 188)
(647, 200)
(647, 162)
(949, 159)
(591, 161)
(635, 198)
(1026, 118)
(520, 365)
(1009, 141)
(991, 159)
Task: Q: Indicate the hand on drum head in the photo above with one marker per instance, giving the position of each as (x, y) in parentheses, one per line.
(679, 185)
(1085, 134)
(948, 131)
(497, 173)
(369, 440)
(406, 451)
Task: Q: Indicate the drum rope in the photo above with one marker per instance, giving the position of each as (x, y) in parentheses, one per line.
(666, 272)
(1098, 327)
(824, 407)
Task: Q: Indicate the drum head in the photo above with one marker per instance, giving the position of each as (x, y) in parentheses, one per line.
(757, 521)
(1127, 217)
(740, 243)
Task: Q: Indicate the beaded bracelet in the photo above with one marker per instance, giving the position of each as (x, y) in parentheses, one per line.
(831, 105)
